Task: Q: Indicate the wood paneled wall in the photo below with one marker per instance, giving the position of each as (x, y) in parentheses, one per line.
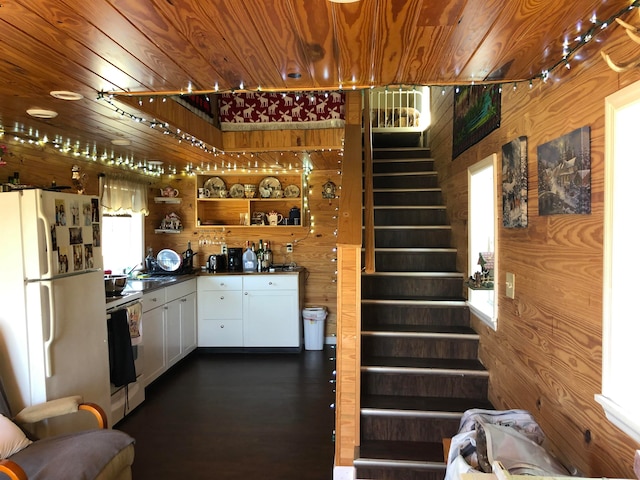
(546, 354)
(313, 250)
(314, 247)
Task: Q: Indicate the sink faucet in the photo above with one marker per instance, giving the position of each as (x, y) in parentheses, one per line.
(129, 272)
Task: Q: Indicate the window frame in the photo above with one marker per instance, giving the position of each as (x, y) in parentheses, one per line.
(618, 272)
(476, 296)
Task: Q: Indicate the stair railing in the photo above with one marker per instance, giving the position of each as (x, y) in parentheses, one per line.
(349, 261)
(369, 232)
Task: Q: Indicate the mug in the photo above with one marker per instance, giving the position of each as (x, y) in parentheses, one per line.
(274, 218)
(169, 192)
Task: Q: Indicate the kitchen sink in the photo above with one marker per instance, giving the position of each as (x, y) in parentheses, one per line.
(142, 284)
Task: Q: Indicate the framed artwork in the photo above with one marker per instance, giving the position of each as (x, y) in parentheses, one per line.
(514, 183)
(476, 113)
(564, 174)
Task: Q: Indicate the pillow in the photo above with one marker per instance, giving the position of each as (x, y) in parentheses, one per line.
(12, 439)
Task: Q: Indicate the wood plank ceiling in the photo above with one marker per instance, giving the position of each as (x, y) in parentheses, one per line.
(177, 45)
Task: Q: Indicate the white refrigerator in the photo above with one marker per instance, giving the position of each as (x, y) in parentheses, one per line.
(53, 330)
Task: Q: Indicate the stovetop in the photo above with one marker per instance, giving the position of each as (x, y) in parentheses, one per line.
(122, 299)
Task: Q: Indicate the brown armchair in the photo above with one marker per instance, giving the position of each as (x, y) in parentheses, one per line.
(101, 454)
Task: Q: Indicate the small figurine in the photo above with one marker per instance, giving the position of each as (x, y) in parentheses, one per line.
(78, 179)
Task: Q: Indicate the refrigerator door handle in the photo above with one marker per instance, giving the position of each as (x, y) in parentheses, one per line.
(48, 343)
(43, 227)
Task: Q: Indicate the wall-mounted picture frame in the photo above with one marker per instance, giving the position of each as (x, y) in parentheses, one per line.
(564, 174)
(515, 193)
(476, 113)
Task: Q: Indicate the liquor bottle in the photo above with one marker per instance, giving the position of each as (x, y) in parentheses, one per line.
(188, 257)
(268, 256)
(249, 263)
(150, 261)
(260, 256)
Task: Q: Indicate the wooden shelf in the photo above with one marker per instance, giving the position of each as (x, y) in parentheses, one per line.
(226, 212)
(167, 200)
(487, 286)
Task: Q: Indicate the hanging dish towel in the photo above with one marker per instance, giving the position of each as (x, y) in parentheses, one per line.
(134, 317)
(122, 370)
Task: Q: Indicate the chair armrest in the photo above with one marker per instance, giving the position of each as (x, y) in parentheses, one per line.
(12, 470)
(60, 406)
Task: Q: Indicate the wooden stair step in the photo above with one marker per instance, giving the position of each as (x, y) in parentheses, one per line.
(431, 406)
(433, 331)
(472, 367)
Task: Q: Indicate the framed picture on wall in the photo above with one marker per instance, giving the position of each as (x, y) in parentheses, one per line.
(514, 183)
(476, 113)
(564, 174)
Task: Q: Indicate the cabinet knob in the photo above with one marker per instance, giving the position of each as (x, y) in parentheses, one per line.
(183, 300)
(222, 284)
(246, 293)
(222, 297)
(270, 283)
(222, 326)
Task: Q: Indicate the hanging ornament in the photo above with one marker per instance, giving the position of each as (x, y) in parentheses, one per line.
(329, 190)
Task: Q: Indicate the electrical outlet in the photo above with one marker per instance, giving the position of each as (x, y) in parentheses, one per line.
(289, 247)
(511, 285)
(223, 248)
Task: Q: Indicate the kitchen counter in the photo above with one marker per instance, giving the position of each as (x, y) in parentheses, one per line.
(151, 283)
(155, 282)
(276, 271)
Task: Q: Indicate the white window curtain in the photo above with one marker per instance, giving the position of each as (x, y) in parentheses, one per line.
(122, 195)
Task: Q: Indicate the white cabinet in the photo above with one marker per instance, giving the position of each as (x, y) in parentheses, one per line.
(271, 311)
(168, 327)
(220, 311)
(252, 310)
(153, 335)
(188, 323)
(173, 341)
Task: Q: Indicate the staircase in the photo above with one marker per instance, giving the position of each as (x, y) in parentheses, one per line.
(420, 368)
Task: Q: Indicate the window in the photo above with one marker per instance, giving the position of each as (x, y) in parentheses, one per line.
(122, 241)
(621, 329)
(482, 234)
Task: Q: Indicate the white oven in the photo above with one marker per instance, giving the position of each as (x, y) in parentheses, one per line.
(127, 397)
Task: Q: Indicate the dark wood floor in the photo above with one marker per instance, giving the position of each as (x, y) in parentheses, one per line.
(237, 417)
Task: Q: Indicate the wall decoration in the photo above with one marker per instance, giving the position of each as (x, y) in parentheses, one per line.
(564, 174)
(269, 110)
(476, 113)
(514, 183)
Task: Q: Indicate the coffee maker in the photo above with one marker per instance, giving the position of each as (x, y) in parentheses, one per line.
(234, 262)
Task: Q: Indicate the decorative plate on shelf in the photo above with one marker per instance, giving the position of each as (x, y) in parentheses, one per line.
(236, 191)
(267, 186)
(214, 184)
(292, 191)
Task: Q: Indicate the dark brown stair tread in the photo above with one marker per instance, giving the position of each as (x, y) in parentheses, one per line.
(425, 404)
(440, 363)
(418, 329)
(411, 451)
(417, 298)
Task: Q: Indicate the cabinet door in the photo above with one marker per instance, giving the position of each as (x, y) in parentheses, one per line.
(173, 338)
(188, 323)
(153, 334)
(271, 318)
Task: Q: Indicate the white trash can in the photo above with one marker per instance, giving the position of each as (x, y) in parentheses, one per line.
(314, 327)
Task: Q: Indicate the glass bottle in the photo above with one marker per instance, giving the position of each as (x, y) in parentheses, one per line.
(268, 256)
